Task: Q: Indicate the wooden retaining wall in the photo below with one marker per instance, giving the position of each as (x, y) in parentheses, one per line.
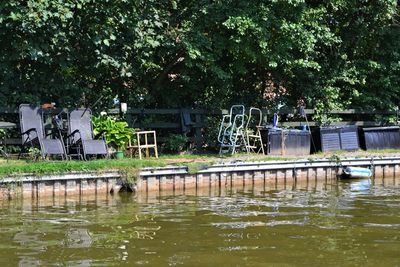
(31, 186)
(233, 179)
(277, 173)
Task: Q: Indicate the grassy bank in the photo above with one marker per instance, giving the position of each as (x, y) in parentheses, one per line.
(194, 162)
(15, 167)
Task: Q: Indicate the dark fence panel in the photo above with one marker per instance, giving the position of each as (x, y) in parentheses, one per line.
(286, 142)
(349, 138)
(328, 139)
(381, 138)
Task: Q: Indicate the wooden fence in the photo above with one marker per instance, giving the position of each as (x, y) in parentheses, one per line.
(290, 117)
(166, 121)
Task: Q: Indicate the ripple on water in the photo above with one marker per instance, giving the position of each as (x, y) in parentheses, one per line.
(382, 225)
(244, 224)
(63, 221)
(243, 248)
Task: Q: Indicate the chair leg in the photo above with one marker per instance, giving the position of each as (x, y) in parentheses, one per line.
(156, 152)
(20, 153)
(79, 152)
(24, 146)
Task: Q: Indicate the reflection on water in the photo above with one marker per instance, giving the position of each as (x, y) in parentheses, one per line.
(347, 223)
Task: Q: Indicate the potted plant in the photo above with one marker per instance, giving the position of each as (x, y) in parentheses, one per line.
(117, 133)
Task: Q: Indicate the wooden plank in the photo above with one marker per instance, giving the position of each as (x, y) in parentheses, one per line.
(138, 111)
(12, 141)
(333, 112)
(341, 123)
(206, 112)
(8, 111)
(158, 125)
(46, 111)
(113, 111)
(362, 112)
(7, 125)
(286, 111)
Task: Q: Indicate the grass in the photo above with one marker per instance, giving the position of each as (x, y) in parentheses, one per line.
(384, 151)
(132, 166)
(194, 163)
(14, 167)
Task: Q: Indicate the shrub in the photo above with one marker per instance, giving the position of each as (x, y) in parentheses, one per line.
(211, 133)
(176, 143)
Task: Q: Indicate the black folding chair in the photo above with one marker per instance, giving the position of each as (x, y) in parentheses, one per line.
(80, 141)
(33, 134)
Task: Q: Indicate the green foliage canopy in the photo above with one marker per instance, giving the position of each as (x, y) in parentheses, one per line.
(174, 53)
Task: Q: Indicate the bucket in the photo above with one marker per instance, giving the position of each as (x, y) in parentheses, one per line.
(119, 154)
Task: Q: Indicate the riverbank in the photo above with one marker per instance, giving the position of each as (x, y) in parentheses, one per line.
(193, 162)
(178, 174)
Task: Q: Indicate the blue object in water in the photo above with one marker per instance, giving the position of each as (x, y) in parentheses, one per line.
(357, 172)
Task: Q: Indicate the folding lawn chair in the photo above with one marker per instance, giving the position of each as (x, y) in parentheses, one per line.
(33, 133)
(80, 140)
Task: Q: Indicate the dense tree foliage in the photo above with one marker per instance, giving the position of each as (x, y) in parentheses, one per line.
(208, 53)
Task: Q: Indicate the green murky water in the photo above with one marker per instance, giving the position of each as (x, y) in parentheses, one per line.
(353, 223)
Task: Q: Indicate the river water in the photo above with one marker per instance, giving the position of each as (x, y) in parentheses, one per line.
(345, 223)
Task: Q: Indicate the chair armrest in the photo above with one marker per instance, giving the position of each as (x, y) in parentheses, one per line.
(28, 131)
(28, 138)
(100, 134)
(71, 137)
(73, 133)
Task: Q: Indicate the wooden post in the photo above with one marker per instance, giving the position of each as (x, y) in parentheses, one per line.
(155, 143)
(197, 134)
(146, 144)
(139, 148)
(129, 118)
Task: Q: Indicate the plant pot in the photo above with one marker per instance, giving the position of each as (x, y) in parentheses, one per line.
(119, 154)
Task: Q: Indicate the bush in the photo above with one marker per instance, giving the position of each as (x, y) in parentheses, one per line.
(176, 143)
(211, 133)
